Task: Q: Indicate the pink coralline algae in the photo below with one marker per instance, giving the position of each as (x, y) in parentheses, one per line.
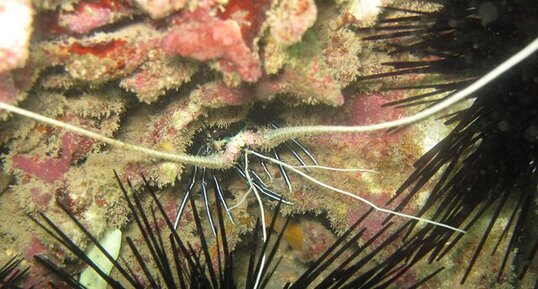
(308, 83)
(218, 95)
(52, 169)
(204, 37)
(90, 15)
(160, 8)
(153, 79)
(96, 61)
(8, 92)
(294, 18)
(38, 273)
(368, 108)
(249, 15)
(172, 120)
(41, 198)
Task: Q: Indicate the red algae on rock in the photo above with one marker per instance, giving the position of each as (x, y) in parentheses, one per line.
(217, 94)
(90, 15)
(291, 19)
(8, 91)
(204, 37)
(48, 170)
(249, 15)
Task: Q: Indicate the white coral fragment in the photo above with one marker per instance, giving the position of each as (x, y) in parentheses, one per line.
(111, 241)
(16, 20)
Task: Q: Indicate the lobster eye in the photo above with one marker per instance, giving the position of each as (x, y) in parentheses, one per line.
(215, 133)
